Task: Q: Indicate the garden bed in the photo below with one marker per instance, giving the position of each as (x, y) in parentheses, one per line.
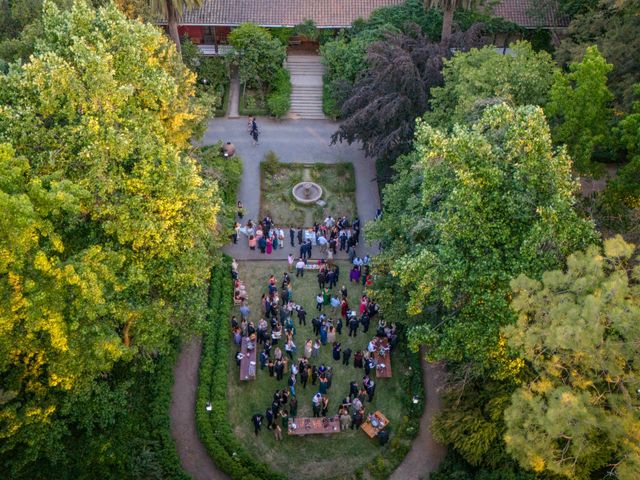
(253, 102)
(276, 198)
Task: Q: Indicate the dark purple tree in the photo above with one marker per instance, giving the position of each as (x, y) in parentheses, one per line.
(381, 108)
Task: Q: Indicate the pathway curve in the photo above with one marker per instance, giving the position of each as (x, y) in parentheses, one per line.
(193, 455)
(425, 454)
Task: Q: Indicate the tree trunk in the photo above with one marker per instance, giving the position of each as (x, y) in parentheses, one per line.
(447, 23)
(172, 23)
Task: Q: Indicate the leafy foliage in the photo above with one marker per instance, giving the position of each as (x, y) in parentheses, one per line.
(257, 54)
(475, 79)
(579, 108)
(614, 26)
(579, 329)
(106, 230)
(495, 201)
(279, 99)
(394, 91)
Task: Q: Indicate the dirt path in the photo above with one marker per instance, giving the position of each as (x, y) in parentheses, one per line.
(425, 454)
(193, 455)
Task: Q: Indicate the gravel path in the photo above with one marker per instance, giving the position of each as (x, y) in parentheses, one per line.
(193, 456)
(425, 454)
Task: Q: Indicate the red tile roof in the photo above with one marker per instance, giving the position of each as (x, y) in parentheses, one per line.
(525, 13)
(325, 13)
(341, 13)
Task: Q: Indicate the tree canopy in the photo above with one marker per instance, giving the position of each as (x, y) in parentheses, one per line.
(106, 229)
(257, 54)
(496, 201)
(580, 110)
(475, 79)
(579, 330)
(385, 101)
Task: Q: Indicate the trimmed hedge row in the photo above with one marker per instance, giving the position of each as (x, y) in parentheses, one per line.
(213, 427)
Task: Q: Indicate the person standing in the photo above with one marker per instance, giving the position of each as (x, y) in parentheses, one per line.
(257, 422)
(300, 236)
(292, 235)
(300, 268)
(290, 262)
(254, 131)
(346, 356)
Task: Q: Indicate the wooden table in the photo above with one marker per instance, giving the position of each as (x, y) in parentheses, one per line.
(247, 368)
(372, 431)
(311, 425)
(382, 372)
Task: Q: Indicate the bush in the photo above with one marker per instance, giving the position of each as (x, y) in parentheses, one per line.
(279, 100)
(257, 54)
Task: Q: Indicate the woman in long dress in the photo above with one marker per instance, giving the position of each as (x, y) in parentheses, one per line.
(269, 246)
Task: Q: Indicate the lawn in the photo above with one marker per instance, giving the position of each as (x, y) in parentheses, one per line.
(278, 179)
(316, 456)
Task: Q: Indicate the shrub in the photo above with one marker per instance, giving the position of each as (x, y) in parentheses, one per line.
(213, 427)
(279, 100)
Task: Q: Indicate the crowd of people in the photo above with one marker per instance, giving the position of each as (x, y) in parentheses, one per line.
(298, 365)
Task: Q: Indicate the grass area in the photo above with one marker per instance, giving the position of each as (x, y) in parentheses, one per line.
(277, 180)
(316, 456)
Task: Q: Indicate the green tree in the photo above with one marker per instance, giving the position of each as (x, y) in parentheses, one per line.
(579, 108)
(257, 54)
(107, 227)
(493, 201)
(614, 26)
(172, 10)
(579, 329)
(624, 190)
(478, 78)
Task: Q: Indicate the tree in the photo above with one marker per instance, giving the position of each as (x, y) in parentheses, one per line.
(614, 26)
(172, 10)
(257, 54)
(448, 8)
(494, 201)
(579, 108)
(579, 329)
(478, 78)
(385, 101)
(624, 190)
(106, 228)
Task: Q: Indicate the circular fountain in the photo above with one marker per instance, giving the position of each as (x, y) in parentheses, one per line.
(307, 192)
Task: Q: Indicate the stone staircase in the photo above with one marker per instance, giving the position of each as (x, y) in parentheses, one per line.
(306, 79)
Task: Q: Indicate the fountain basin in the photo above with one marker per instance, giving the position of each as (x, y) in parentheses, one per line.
(307, 193)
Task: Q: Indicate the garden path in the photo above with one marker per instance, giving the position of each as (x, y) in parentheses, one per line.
(234, 94)
(294, 141)
(192, 453)
(425, 454)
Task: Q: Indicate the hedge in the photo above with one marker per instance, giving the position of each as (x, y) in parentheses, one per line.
(213, 427)
(279, 99)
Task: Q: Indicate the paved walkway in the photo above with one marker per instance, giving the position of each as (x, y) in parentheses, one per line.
(193, 455)
(306, 141)
(234, 94)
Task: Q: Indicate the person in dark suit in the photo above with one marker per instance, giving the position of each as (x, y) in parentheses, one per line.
(257, 422)
(292, 235)
(300, 235)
